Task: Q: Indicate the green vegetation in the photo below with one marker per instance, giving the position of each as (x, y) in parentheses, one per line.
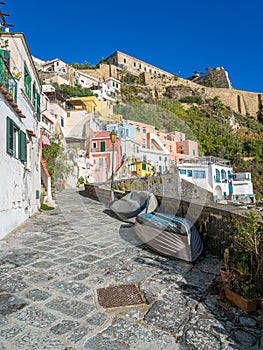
(191, 99)
(56, 162)
(84, 65)
(73, 91)
(207, 123)
(44, 207)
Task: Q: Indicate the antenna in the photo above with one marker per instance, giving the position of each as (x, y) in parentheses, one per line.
(3, 15)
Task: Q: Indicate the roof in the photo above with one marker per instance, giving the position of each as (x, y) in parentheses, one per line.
(30, 57)
(206, 161)
(99, 134)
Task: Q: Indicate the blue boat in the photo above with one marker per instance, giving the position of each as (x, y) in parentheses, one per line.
(169, 235)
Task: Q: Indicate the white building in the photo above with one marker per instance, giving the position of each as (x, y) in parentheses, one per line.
(216, 176)
(85, 80)
(19, 133)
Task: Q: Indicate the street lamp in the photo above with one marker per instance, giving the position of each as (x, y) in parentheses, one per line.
(113, 138)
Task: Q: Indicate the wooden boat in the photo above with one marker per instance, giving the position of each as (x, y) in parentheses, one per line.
(134, 203)
(169, 235)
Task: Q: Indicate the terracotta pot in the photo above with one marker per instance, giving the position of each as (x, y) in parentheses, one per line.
(224, 274)
(244, 304)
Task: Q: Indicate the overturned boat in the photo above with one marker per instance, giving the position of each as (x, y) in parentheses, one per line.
(134, 203)
(169, 235)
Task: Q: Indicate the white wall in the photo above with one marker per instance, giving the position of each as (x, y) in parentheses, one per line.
(19, 181)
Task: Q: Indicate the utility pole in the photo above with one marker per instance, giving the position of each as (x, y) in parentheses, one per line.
(3, 15)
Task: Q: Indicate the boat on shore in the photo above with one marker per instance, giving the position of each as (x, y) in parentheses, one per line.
(169, 235)
(134, 203)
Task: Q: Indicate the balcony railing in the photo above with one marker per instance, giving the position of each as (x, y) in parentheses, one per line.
(8, 82)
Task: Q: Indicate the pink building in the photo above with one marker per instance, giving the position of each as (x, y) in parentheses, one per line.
(151, 138)
(101, 155)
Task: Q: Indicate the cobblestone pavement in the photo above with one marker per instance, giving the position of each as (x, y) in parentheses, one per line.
(52, 266)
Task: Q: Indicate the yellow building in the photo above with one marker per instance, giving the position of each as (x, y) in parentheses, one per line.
(90, 103)
(142, 168)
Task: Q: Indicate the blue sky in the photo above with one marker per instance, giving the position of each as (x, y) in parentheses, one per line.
(180, 36)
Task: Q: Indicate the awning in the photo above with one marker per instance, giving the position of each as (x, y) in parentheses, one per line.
(45, 141)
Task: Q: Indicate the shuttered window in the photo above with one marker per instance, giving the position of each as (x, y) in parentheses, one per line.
(36, 101)
(27, 82)
(4, 65)
(22, 147)
(16, 144)
(10, 136)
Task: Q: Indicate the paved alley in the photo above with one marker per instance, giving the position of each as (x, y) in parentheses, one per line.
(53, 266)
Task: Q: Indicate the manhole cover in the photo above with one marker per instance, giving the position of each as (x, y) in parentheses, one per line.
(116, 296)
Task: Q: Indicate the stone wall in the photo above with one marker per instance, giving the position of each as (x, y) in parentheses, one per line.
(243, 102)
(134, 65)
(104, 71)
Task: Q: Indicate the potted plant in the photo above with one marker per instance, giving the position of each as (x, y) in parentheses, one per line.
(80, 181)
(243, 283)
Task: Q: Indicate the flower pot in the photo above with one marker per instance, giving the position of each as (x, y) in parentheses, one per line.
(224, 274)
(244, 304)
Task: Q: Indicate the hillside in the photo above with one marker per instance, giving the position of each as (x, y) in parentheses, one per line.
(220, 131)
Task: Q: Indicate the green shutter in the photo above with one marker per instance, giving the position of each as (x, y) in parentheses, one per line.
(102, 146)
(38, 106)
(36, 97)
(4, 63)
(27, 82)
(10, 136)
(22, 146)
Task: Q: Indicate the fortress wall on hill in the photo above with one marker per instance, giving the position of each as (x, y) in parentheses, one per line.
(243, 102)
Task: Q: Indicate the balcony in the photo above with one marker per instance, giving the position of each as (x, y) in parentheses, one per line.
(10, 85)
(7, 80)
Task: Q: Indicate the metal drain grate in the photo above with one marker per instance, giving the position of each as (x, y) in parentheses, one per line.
(116, 296)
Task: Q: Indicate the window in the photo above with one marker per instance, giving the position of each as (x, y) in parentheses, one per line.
(27, 82)
(16, 141)
(223, 174)
(217, 177)
(134, 64)
(182, 171)
(193, 152)
(189, 173)
(102, 146)
(199, 174)
(160, 158)
(165, 138)
(36, 100)
(144, 131)
(94, 144)
(44, 120)
(117, 85)
(62, 122)
(4, 66)
(137, 129)
(124, 60)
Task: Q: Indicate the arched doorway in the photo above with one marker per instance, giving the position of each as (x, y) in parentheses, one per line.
(218, 193)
